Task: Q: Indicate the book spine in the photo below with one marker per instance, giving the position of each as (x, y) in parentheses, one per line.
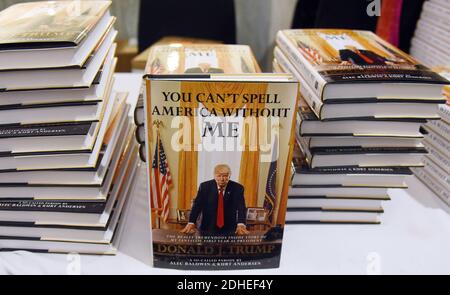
(432, 184)
(312, 77)
(438, 156)
(310, 97)
(139, 117)
(276, 68)
(136, 115)
(437, 172)
(142, 152)
(438, 141)
(440, 127)
(432, 13)
(52, 206)
(140, 131)
(430, 54)
(444, 112)
(428, 36)
(45, 130)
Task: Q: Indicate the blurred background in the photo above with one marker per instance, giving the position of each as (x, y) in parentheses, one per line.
(252, 22)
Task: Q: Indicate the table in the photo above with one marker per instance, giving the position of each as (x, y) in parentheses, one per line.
(414, 238)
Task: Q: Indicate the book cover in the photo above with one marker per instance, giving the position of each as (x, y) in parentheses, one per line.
(424, 175)
(221, 150)
(350, 55)
(437, 140)
(49, 24)
(201, 59)
(328, 56)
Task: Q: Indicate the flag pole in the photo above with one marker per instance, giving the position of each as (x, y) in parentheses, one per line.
(158, 124)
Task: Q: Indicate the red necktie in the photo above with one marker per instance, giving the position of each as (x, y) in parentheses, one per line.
(365, 58)
(220, 219)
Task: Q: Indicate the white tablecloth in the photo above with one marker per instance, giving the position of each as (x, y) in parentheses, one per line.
(414, 238)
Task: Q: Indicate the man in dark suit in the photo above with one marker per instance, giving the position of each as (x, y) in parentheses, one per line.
(361, 57)
(221, 203)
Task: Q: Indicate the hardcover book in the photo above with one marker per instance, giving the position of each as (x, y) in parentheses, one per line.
(49, 23)
(201, 59)
(41, 79)
(333, 216)
(309, 126)
(65, 95)
(349, 176)
(219, 150)
(64, 159)
(348, 64)
(362, 157)
(433, 184)
(375, 108)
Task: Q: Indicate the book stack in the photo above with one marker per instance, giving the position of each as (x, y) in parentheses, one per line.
(436, 173)
(430, 43)
(192, 59)
(66, 151)
(358, 128)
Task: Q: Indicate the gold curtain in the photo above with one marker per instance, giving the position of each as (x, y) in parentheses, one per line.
(188, 161)
(249, 171)
(281, 205)
(249, 166)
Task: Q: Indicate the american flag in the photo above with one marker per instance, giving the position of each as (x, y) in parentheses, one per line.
(161, 180)
(310, 53)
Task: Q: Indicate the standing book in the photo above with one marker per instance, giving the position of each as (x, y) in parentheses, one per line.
(220, 148)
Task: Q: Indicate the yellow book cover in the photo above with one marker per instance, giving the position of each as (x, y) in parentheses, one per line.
(49, 23)
(220, 151)
(180, 58)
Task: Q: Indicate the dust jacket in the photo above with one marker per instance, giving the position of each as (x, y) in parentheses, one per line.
(326, 57)
(219, 150)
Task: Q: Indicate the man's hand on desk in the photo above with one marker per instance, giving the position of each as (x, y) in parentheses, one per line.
(189, 229)
(241, 230)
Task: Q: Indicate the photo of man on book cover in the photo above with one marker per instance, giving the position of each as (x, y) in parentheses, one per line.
(219, 172)
(221, 204)
(350, 48)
